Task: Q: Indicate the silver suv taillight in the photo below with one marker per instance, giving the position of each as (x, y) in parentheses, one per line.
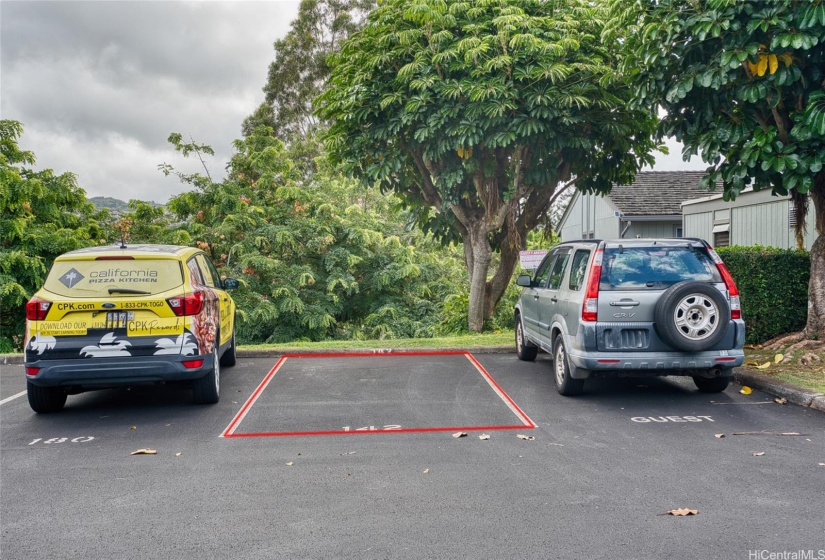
(733, 291)
(590, 307)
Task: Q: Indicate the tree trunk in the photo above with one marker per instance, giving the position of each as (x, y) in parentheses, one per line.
(499, 282)
(815, 328)
(482, 256)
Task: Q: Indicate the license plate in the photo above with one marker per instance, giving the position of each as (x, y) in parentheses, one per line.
(118, 319)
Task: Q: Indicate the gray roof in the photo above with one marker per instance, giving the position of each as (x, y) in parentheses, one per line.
(658, 193)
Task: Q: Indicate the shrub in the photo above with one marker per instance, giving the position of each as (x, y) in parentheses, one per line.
(773, 288)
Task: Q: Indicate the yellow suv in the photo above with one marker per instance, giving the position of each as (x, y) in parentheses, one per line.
(117, 315)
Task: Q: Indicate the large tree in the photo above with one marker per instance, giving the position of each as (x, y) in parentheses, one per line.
(743, 84)
(320, 258)
(298, 73)
(480, 113)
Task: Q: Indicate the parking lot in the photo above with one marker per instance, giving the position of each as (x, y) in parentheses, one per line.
(352, 456)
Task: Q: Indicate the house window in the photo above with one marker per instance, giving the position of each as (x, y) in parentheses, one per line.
(677, 231)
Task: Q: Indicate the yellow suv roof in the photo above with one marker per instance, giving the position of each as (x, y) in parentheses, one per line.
(137, 251)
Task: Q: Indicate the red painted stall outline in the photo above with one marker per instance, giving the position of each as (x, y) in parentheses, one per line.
(230, 431)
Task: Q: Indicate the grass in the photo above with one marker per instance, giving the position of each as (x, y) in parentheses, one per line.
(811, 377)
(504, 338)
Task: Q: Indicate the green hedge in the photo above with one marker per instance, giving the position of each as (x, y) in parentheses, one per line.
(773, 288)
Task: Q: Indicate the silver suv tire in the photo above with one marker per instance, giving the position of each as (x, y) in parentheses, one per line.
(692, 316)
(711, 384)
(524, 350)
(565, 384)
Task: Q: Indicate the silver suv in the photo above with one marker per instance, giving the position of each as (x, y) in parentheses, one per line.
(635, 307)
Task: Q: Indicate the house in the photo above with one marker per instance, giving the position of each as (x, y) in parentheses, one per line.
(671, 204)
(650, 207)
(754, 218)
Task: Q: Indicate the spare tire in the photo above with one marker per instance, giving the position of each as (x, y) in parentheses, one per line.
(692, 316)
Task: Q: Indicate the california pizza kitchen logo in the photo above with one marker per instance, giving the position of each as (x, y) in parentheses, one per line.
(71, 278)
(121, 275)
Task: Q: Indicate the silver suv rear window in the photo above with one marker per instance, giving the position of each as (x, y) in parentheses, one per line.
(93, 279)
(635, 268)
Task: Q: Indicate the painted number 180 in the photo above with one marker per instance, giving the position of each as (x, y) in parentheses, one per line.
(80, 439)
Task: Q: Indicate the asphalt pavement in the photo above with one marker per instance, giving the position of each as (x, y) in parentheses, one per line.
(339, 456)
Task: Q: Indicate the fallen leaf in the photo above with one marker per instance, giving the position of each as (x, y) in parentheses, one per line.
(751, 363)
(758, 453)
(778, 358)
(781, 400)
(426, 471)
(527, 438)
(822, 464)
(144, 452)
(460, 434)
(133, 428)
(745, 390)
(289, 464)
(719, 436)
(177, 454)
(683, 511)
(764, 366)
(484, 436)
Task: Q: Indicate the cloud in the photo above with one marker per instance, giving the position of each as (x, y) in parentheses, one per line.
(99, 86)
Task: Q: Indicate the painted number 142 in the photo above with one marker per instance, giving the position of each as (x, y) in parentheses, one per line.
(387, 428)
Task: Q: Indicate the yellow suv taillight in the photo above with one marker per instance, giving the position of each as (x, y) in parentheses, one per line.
(190, 304)
(37, 309)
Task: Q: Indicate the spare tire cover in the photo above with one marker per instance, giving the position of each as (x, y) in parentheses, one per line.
(692, 316)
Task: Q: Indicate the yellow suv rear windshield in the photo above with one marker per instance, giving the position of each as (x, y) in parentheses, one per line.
(96, 278)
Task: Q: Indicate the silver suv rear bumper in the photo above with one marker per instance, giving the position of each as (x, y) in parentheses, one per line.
(586, 358)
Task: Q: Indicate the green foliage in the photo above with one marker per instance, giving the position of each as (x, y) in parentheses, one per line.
(320, 258)
(453, 312)
(773, 287)
(145, 222)
(299, 70)
(475, 113)
(742, 84)
(41, 216)
(454, 309)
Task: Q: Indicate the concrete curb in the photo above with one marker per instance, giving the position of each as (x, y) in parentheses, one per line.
(11, 359)
(794, 394)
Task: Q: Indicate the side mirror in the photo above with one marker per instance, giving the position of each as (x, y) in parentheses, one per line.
(230, 283)
(524, 280)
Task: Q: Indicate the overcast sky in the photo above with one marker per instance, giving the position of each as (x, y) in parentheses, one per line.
(100, 85)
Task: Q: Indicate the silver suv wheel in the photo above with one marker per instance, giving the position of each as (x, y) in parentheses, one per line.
(696, 316)
(692, 316)
(565, 384)
(524, 350)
